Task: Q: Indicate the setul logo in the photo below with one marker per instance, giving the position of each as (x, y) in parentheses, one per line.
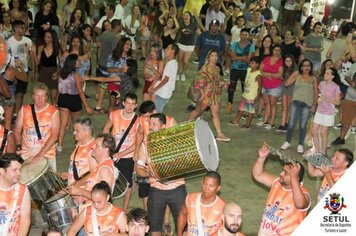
(335, 204)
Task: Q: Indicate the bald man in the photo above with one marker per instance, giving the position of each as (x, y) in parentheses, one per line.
(232, 219)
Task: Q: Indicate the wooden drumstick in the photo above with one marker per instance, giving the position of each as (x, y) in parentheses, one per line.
(65, 190)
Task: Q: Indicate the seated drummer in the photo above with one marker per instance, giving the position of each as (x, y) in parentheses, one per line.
(161, 195)
(104, 171)
(81, 161)
(101, 217)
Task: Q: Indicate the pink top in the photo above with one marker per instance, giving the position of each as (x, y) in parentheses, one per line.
(271, 83)
(329, 90)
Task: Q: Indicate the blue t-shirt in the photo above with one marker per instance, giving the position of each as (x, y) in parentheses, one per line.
(235, 47)
(207, 42)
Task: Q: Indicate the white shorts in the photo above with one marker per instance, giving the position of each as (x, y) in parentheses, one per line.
(324, 120)
(186, 48)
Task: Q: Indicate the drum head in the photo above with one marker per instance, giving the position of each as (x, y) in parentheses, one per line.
(31, 172)
(206, 145)
(56, 197)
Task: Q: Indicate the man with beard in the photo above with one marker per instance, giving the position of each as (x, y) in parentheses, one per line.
(202, 212)
(288, 201)
(232, 219)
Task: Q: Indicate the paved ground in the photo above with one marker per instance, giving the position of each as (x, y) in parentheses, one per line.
(236, 157)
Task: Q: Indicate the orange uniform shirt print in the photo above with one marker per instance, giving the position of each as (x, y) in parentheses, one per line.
(281, 217)
(7, 201)
(107, 223)
(31, 145)
(324, 187)
(210, 215)
(119, 126)
(93, 176)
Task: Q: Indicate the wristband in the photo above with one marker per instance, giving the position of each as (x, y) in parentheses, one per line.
(18, 147)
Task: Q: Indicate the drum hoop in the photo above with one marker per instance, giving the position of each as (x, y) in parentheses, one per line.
(44, 170)
(127, 187)
(60, 209)
(198, 144)
(63, 196)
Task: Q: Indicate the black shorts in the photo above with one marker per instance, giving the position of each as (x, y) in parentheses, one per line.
(72, 102)
(143, 190)
(158, 200)
(126, 167)
(21, 87)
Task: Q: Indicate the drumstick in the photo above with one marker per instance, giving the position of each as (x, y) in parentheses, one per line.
(65, 190)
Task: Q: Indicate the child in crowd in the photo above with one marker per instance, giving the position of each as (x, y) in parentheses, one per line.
(252, 89)
(236, 29)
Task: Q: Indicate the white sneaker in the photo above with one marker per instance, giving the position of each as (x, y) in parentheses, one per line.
(182, 77)
(285, 146)
(300, 149)
(178, 77)
(260, 123)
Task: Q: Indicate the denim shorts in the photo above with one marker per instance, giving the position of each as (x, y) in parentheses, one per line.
(275, 92)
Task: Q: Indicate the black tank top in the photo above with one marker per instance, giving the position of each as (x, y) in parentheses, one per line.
(48, 61)
(166, 40)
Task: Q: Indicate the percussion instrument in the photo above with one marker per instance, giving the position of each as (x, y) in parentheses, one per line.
(61, 210)
(42, 182)
(318, 159)
(185, 150)
(121, 185)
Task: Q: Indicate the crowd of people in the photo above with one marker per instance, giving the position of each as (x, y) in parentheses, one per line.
(103, 42)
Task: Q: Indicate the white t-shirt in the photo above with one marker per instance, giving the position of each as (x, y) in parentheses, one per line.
(135, 25)
(291, 5)
(119, 12)
(235, 34)
(213, 15)
(170, 70)
(306, 9)
(20, 49)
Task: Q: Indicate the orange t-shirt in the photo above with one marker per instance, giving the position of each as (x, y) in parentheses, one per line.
(107, 223)
(30, 143)
(7, 200)
(219, 234)
(93, 176)
(324, 187)
(2, 133)
(280, 216)
(82, 154)
(145, 124)
(119, 126)
(210, 215)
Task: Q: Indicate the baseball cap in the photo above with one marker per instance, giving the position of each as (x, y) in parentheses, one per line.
(215, 22)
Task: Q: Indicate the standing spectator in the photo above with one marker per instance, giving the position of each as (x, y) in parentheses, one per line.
(285, 190)
(71, 95)
(109, 15)
(289, 13)
(133, 23)
(236, 29)
(22, 49)
(153, 70)
(163, 89)
(47, 62)
(274, 33)
(146, 27)
(187, 32)
(5, 27)
(304, 102)
(272, 79)
(307, 28)
(292, 46)
(266, 13)
(240, 53)
(18, 11)
(214, 13)
(329, 96)
(169, 31)
(46, 19)
(275, 8)
(67, 11)
(73, 27)
(338, 47)
(210, 84)
(119, 10)
(287, 91)
(313, 46)
(203, 11)
(257, 28)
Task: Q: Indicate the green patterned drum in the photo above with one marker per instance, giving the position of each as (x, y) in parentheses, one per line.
(185, 150)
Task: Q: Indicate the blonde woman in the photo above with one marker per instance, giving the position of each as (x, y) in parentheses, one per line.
(210, 83)
(133, 22)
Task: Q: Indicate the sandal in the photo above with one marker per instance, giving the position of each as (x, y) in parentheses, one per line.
(99, 110)
(232, 123)
(223, 139)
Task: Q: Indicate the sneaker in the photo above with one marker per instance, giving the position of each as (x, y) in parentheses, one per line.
(195, 61)
(223, 139)
(338, 141)
(282, 128)
(228, 108)
(300, 149)
(182, 77)
(260, 123)
(353, 130)
(244, 116)
(59, 149)
(338, 126)
(285, 146)
(178, 77)
(268, 126)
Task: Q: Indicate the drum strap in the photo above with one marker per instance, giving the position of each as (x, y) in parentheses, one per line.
(36, 122)
(94, 220)
(4, 140)
(125, 134)
(4, 230)
(75, 170)
(198, 214)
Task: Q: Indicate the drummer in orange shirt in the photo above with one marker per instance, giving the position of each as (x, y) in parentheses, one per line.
(101, 217)
(288, 201)
(203, 211)
(15, 201)
(232, 220)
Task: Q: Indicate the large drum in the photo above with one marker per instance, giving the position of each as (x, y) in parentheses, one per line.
(185, 150)
(121, 185)
(40, 179)
(61, 210)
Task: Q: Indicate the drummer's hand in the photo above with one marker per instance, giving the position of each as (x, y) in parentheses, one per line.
(64, 175)
(73, 190)
(36, 158)
(325, 170)
(263, 152)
